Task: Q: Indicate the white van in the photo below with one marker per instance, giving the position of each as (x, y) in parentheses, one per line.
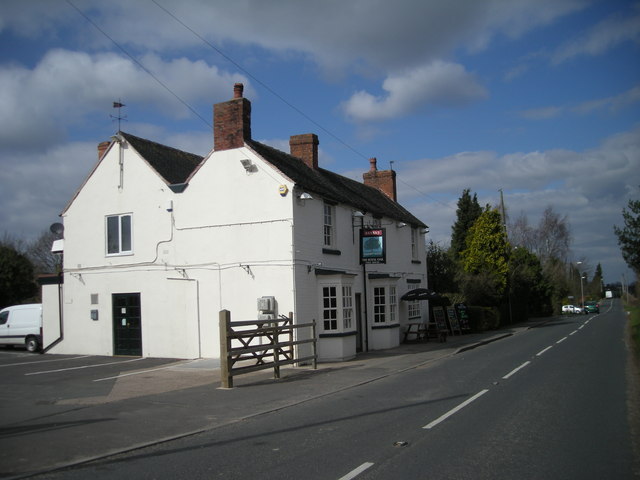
(22, 325)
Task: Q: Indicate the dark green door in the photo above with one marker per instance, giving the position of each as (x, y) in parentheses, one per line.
(127, 325)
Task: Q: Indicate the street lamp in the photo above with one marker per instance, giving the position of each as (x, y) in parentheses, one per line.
(581, 291)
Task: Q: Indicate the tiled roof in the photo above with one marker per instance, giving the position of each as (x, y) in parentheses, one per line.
(172, 164)
(175, 166)
(334, 187)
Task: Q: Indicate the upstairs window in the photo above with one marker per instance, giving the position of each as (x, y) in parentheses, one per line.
(329, 229)
(119, 234)
(414, 243)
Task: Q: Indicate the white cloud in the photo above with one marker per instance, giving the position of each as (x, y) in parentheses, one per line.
(337, 34)
(36, 187)
(613, 103)
(64, 87)
(438, 84)
(590, 187)
(604, 36)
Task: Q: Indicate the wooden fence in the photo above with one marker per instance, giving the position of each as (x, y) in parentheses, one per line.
(260, 344)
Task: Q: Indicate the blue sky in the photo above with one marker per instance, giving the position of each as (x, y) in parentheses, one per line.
(539, 98)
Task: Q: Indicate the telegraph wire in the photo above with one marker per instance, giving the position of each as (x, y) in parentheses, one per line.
(282, 99)
(240, 67)
(260, 82)
(133, 59)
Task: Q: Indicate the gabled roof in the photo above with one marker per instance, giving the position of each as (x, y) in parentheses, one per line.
(176, 166)
(173, 165)
(334, 187)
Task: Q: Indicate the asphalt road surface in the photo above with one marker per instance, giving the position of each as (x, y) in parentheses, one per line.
(550, 403)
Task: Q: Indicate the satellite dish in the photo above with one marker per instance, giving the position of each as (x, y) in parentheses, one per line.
(57, 228)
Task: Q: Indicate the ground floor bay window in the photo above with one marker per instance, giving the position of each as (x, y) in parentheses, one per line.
(337, 332)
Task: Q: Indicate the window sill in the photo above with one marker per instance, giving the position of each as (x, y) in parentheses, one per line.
(331, 251)
(337, 334)
(123, 254)
(385, 325)
(417, 262)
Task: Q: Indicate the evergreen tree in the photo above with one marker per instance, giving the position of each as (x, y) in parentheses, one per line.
(629, 236)
(16, 277)
(468, 212)
(595, 286)
(486, 258)
(441, 269)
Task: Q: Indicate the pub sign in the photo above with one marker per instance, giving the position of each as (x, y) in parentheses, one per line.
(373, 245)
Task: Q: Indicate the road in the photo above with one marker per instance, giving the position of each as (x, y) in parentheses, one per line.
(549, 403)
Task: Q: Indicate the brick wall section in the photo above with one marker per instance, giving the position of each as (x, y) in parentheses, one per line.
(232, 122)
(383, 180)
(305, 147)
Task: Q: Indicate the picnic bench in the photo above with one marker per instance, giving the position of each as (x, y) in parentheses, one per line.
(424, 331)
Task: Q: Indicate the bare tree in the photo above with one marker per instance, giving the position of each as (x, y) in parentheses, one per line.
(39, 252)
(552, 238)
(521, 234)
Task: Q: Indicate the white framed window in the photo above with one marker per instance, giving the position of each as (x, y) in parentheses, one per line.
(413, 308)
(329, 225)
(379, 305)
(414, 243)
(385, 304)
(119, 234)
(393, 304)
(337, 310)
(347, 307)
(329, 308)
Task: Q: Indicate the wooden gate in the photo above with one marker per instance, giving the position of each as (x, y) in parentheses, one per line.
(260, 344)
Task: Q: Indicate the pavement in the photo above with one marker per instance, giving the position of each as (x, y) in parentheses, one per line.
(185, 398)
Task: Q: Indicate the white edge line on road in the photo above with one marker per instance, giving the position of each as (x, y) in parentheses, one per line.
(43, 361)
(81, 367)
(542, 351)
(454, 410)
(354, 473)
(135, 373)
(573, 333)
(581, 327)
(561, 340)
(515, 370)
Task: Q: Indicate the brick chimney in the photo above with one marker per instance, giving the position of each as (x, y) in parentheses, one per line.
(305, 147)
(232, 121)
(102, 147)
(383, 180)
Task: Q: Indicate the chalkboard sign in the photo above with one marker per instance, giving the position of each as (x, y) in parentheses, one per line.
(464, 316)
(453, 320)
(441, 323)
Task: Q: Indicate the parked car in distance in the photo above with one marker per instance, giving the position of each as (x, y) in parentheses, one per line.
(22, 325)
(591, 306)
(568, 309)
(577, 309)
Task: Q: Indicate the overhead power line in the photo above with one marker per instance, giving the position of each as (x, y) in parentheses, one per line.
(133, 59)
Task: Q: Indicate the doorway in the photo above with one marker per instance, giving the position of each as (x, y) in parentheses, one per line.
(127, 324)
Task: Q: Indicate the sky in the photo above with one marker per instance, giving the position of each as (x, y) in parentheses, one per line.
(539, 99)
